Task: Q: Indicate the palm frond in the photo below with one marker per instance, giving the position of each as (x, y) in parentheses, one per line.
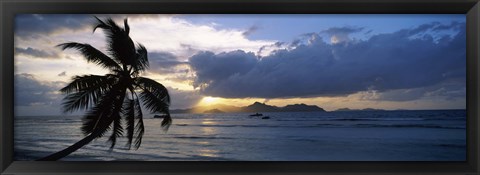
(129, 117)
(117, 120)
(100, 117)
(79, 100)
(155, 97)
(86, 81)
(117, 129)
(127, 28)
(100, 24)
(92, 55)
(120, 45)
(109, 26)
(166, 122)
(139, 127)
(85, 91)
(141, 62)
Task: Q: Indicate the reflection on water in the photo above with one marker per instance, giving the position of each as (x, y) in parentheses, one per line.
(209, 130)
(208, 153)
(209, 122)
(203, 143)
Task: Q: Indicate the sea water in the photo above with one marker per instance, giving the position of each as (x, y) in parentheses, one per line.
(423, 135)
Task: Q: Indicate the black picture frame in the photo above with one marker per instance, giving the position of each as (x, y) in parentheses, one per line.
(9, 8)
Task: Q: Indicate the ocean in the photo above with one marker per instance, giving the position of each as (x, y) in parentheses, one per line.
(403, 135)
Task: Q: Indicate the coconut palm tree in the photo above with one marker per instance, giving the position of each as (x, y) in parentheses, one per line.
(112, 101)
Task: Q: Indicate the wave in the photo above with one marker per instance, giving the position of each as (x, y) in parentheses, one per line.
(452, 145)
(250, 126)
(357, 119)
(201, 137)
(378, 119)
(206, 125)
(361, 125)
(408, 126)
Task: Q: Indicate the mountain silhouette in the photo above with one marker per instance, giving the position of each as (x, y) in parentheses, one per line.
(213, 111)
(260, 107)
(255, 107)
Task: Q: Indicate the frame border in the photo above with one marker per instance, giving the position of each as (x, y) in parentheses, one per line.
(9, 8)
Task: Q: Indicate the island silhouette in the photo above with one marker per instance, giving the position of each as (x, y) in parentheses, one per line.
(255, 107)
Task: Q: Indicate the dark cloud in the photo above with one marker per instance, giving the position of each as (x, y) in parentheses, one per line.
(251, 30)
(64, 73)
(342, 30)
(35, 24)
(452, 26)
(368, 32)
(274, 45)
(433, 29)
(450, 90)
(164, 62)
(36, 53)
(384, 62)
(29, 91)
(210, 67)
(31, 25)
(341, 34)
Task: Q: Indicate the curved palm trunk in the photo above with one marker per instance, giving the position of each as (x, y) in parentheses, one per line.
(71, 149)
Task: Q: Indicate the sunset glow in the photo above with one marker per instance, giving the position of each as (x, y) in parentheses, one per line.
(209, 100)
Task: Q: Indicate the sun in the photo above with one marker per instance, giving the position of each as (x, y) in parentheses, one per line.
(209, 100)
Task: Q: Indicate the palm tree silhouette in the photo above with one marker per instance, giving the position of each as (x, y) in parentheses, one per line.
(113, 100)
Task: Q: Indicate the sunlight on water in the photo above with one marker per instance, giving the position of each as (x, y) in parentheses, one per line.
(208, 153)
(209, 122)
(203, 143)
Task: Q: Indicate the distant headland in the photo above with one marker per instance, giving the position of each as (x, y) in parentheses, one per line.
(255, 107)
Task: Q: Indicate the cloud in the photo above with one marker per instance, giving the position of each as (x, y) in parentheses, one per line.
(455, 25)
(251, 30)
(171, 33)
(343, 30)
(384, 62)
(31, 25)
(341, 34)
(184, 38)
(163, 62)
(36, 53)
(449, 90)
(182, 99)
(29, 91)
(267, 49)
(64, 73)
(210, 67)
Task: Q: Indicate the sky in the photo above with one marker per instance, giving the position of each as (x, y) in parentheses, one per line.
(332, 61)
